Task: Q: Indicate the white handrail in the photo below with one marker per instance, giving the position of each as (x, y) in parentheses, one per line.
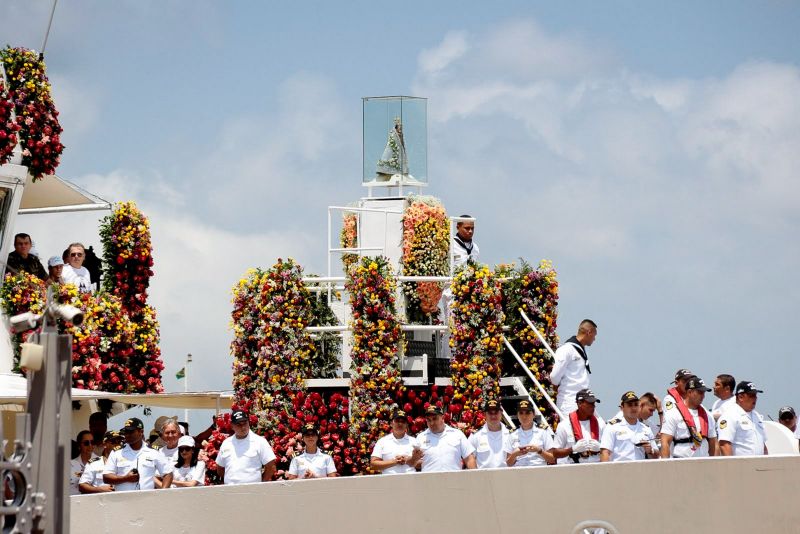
(533, 402)
(540, 336)
(403, 327)
(533, 378)
(351, 208)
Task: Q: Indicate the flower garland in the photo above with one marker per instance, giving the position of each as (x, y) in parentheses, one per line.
(349, 238)
(20, 293)
(128, 262)
(535, 291)
(426, 244)
(8, 127)
(36, 116)
(476, 324)
(375, 371)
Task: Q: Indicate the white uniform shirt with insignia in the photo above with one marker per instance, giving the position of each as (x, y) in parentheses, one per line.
(675, 426)
(490, 447)
(93, 473)
(744, 431)
(534, 436)
(570, 375)
(76, 467)
(189, 473)
(444, 451)
(564, 439)
(147, 461)
(622, 440)
(390, 447)
(319, 463)
(243, 459)
(719, 406)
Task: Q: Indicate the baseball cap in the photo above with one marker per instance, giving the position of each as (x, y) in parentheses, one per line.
(134, 423)
(112, 434)
(695, 382)
(586, 395)
(239, 416)
(787, 412)
(747, 387)
(186, 441)
(400, 414)
(681, 374)
(55, 261)
(433, 410)
(310, 429)
(629, 396)
(524, 404)
(491, 404)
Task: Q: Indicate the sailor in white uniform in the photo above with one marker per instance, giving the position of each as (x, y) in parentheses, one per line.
(134, 466)
(529, 445)
(313, 463)
(577, 438)
(723, 390)
(688, 429)
(681, 376)
(741, 427)
(627, 438)
(491, 441)
(443, 447)
(571, 369)
(397, 452)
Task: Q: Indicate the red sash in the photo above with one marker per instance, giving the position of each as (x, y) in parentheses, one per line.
(577, 431)
(687, 417)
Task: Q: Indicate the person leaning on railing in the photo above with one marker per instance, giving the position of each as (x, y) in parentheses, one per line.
(74, 272)
(21, 259)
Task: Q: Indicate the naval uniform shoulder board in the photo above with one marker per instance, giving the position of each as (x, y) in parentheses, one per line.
(614, 421)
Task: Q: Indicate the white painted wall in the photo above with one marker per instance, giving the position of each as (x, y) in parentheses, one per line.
(728, 495)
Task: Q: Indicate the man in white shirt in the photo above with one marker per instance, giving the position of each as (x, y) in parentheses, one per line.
(491, 441)
(312, 463)
(464, 248)
(627, 438)
(677, 393)
(397, 452)
(723, 390)
(571, 369)
(74, 272)
(528, 445)
(134, 466)
(788, 418)
(741, 427)
(245, 457)
(170, 433)
(577, 438)
(443, 447)
(688, 430)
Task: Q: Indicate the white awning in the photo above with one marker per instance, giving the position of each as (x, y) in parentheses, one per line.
(52, 194)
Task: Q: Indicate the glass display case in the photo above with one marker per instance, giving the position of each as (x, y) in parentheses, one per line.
(395, 142)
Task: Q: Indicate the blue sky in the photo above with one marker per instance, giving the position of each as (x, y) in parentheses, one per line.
(649, 149)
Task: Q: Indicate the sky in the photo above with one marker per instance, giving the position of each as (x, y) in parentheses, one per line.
(650, 150)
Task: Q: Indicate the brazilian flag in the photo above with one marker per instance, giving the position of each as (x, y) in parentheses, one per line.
(181, 374)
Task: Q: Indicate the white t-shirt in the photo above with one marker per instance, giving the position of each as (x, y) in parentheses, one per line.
(319, 463)
(76, 467)
(243, 459)
(744, 431)
(564, 439)
(146, 460)
(490, 447)
(622, 439)
(570, 375)
(534, 436)
(675, 426)
(187, 474)
(389, 447)
(170, 454)
(93, 473)
(79, 277)
(444, 451)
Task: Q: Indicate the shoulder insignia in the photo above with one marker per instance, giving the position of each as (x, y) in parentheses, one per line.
(155, 447)
(669, 405)
(614, 421)
(723, 423)
(118, 448)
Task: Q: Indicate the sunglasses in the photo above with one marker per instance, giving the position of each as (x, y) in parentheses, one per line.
(87, 442)
(76, 254)
(185, 449)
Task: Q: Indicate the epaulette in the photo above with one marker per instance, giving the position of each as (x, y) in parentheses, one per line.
(118, 447)
(155, 447)
(614, 421)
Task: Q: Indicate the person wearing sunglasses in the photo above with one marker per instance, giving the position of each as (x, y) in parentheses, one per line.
(189, 472)
(85, 456)
(74, 272)
(92, 478)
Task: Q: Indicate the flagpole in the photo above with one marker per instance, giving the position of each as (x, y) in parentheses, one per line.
(186, 385)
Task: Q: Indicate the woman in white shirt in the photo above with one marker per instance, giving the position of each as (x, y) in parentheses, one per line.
(313, 463)
(74, 272)
(189, 472)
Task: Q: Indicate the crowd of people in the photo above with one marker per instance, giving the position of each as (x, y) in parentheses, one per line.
(68, 268)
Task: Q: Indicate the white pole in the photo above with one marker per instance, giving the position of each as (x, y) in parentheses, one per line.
(533, 377)
(536, 331)
(186, 384)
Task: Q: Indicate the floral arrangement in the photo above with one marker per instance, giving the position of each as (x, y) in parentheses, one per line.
(414, 401)
(128, 262)
(375, 372)
(476, 323)
(426, 244)
(245, 322)
(8, 126)
(20, 293)
(534, 291)
(349, 238)
(37, 127)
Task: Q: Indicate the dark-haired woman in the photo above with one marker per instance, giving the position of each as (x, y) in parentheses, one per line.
(189, 472)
